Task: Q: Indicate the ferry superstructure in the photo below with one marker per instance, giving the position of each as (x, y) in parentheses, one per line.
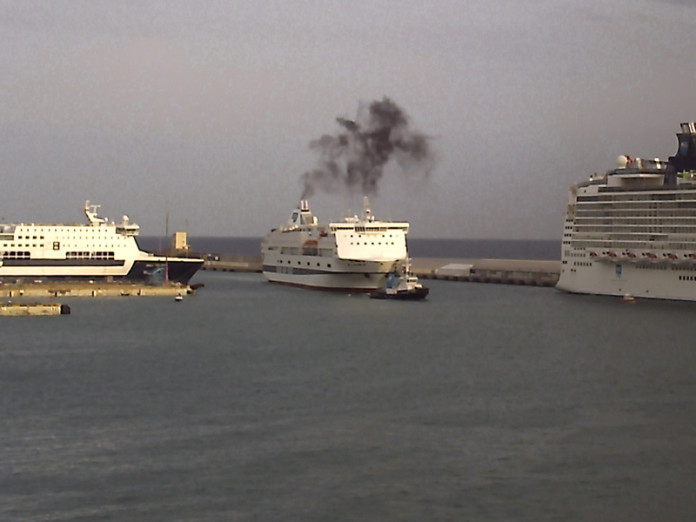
(97, 250)
(354, 255)
(632, 231)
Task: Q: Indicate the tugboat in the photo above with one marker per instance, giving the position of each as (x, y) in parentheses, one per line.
(401, 285)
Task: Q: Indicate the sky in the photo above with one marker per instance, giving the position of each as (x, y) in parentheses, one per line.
(199, 116)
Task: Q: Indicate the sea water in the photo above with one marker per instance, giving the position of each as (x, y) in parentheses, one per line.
(251, 401)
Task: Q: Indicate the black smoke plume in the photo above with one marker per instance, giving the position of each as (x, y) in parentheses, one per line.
(354, 159)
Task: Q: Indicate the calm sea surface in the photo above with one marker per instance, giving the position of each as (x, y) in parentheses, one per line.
(251, 401)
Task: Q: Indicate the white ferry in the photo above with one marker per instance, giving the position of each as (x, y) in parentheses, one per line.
(97, 250)
(632, 231)
(354, 255)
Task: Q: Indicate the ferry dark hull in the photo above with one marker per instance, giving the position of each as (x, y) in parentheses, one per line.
(176, 270)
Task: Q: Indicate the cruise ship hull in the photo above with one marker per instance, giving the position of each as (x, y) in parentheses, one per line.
(664, 281)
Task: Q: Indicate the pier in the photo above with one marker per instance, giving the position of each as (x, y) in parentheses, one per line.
(501, 271)
(39, 309)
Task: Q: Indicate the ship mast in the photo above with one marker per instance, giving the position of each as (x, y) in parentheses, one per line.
(166, 250)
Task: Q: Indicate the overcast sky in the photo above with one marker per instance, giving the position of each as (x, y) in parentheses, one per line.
(205, 110)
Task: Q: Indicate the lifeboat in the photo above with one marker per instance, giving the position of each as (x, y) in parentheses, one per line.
(593, 255)
(612, 256)
(631, 256)
(309, 247)
(651, 256)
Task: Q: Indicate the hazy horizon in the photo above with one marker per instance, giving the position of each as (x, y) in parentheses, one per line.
(207, 112)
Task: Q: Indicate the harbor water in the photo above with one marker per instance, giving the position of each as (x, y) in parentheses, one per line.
(251, 401)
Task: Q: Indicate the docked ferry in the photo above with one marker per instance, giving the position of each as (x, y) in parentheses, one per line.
(355, 254)
(632, 231)
(96, 250)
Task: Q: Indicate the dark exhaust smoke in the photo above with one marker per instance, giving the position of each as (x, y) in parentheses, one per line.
(354, 158)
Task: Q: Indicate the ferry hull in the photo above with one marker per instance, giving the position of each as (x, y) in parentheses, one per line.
(179, 270)
(98, 250)
(337, 281)
(353, 255)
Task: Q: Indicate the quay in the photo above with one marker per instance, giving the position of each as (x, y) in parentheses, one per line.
(85, 289)
(502, 271)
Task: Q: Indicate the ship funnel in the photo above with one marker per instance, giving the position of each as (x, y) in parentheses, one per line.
(367, 212)
(303, 216)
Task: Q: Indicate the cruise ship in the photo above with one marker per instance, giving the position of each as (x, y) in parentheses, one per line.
(355, 254)
(632, 231)
(96, 250)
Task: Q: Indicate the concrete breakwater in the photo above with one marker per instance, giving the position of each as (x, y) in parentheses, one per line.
(504, 271)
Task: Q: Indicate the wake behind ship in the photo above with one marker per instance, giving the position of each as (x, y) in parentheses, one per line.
(355, 254)
(633, 230)
(98, 250)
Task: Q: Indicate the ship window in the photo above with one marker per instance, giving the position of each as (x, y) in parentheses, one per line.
(56, 245)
